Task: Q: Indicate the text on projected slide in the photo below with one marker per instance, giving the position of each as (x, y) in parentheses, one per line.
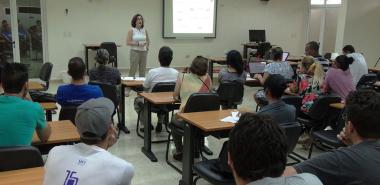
(195, 16)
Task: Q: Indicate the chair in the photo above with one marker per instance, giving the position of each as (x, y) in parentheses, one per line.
(197, 102)
(320, 113)
(292, 131)
(231, 94)
(159, 87)
(296, 101)
(112, 50)
(45, 74)
(110, 92)
(68, 113)
(19, 157)
(366, 81)
(214, 170)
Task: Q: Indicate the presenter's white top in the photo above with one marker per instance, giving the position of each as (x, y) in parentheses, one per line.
(139, 35)
(83, 164)
(358, 68)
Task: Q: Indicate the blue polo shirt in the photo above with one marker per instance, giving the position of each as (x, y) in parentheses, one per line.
(18, 120)
(74, 95)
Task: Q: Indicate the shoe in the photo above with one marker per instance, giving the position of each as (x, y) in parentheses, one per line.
(142, 129)
(177, 156)
(159, 127)
(124, 129)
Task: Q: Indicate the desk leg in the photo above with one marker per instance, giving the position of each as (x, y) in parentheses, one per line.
(86, 59)
(211, 69)
(121, 125)
(147, 148)
(188, 155)
(48, 115)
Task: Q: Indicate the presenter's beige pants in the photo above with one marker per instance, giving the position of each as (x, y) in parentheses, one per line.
(137, 60)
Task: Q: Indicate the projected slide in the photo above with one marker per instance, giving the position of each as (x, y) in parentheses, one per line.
(195, 16)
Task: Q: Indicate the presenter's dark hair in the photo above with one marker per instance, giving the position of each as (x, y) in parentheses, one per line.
(199, 66)
(235, 60)
(77, 68)
(343, 62)
(134, 19)
(165, 56)
(14, 77)
(349, 49)
(257, 147)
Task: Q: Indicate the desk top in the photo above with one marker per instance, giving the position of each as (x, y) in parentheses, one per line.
(97, 45)
(208, 121)
(49, 105)
(30, 176)
(61, 131)
(374, 69)
(337, 105)
(159, 98)
(132, 83)
(35, 86)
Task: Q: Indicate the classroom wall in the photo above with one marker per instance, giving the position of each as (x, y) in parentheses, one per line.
(94, 21)
(362, 28)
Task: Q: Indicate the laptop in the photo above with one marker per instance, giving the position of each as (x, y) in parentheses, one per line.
(285, 56)
(256, 67)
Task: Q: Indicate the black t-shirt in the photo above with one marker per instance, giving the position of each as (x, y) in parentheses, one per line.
(355, 165)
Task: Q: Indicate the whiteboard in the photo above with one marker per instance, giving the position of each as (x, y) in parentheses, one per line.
(189, 18)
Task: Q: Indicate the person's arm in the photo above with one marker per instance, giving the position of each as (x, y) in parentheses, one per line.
(177, 88)
(43, 128)
(130, 42)
(148, 80)
(147, 40)
(289, 171)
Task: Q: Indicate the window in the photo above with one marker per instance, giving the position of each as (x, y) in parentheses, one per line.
(317, 2)
(335, 2)
(325, 2)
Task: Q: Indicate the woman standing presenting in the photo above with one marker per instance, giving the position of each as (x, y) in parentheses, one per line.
(139, 41)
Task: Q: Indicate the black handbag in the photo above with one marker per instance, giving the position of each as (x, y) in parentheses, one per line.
(38, 96)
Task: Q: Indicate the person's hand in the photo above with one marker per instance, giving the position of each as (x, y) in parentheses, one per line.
(377, 83)
(342, 136)
(258, 76)
(113, 137)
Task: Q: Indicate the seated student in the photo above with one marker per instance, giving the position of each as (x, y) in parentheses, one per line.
(197, 81)
(338, 78)
(312, 49)
(103, 73)
(309, 82)
(359, 67)
(89, 162)
(234, 71)
(78, 91)
(358, 163)
(164, 73)
(264, 160)
(19, 118)
(278, 110)
(276, 66)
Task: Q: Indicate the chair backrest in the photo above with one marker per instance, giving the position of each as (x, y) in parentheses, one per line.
(199, 102)
(112, 50)
(68, 113)
(109, 91)
(231, 94)
(164, 87)
(321, 106)
(45, 73)
(327, 56)
(366, 81)
(296, 101)
(292, 131)
(19, 157)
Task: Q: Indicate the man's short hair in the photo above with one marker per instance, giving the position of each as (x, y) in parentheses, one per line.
(14, 77)
(276, 53)
(199, 66)
(165, 56)
(76, 68)
(313, 45)
(348, 49)
(257, 147)
(363, 110)
(276, 85)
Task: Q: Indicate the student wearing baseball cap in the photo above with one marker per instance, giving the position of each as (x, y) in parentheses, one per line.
(89, 162)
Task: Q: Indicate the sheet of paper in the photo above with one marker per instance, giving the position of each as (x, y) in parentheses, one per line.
(235, 116)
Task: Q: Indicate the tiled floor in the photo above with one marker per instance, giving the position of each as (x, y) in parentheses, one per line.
(129, 146)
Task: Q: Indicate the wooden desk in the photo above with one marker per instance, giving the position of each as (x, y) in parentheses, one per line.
(294, 59)
(208, 121)
(159, 98)
(374, 69)
(49, 107)
(219, 60)
(92, 47)
(35, 86)
(337, 105)
(29, 176)
(252, 82)
(61, 132)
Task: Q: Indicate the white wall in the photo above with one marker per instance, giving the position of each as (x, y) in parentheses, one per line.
(94, 21)
(362, 28)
